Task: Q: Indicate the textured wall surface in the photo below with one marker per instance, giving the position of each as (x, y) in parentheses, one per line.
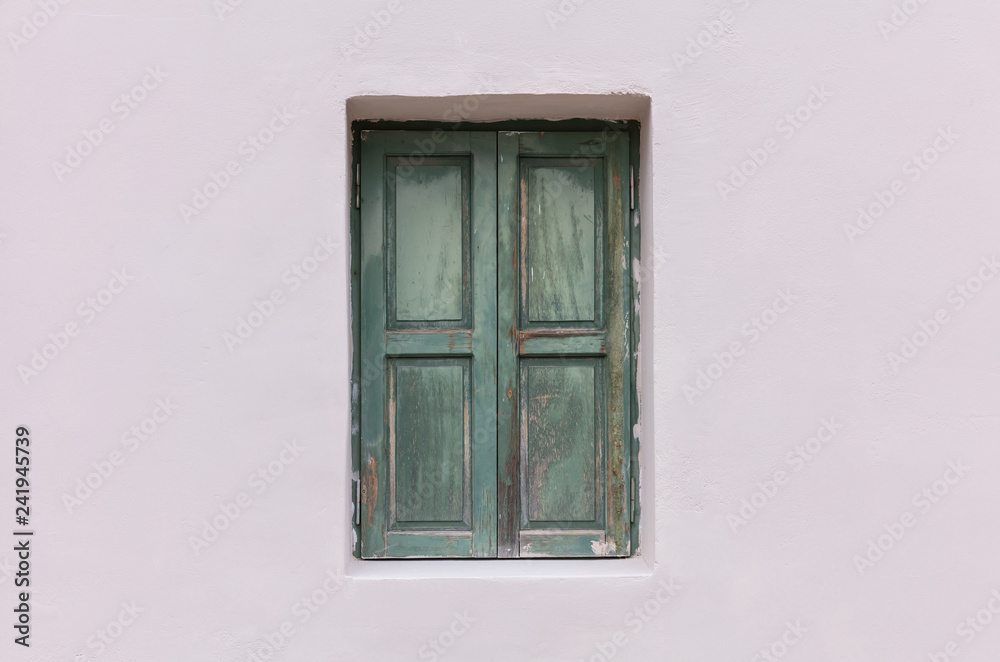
(819, 357)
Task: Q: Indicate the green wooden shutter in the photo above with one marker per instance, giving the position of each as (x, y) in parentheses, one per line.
(563, 357)
(495, 344)
(428, 344)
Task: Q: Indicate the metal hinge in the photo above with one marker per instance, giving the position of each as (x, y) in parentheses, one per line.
(631, 188)
(357, 186)
(631, 504)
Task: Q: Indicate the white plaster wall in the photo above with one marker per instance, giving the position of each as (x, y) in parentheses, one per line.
(713, 265)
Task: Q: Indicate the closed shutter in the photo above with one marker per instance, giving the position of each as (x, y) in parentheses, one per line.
(495, 345)
(428, 343)
(564, 352)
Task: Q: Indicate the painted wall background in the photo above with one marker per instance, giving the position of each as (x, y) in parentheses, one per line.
(819, 353)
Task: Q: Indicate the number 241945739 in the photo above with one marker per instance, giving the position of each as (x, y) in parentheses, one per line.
(22, 489)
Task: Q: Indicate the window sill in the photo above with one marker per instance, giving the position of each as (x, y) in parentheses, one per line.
(497, 568)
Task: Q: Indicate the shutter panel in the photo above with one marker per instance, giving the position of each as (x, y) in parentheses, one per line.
(428, 344)
(564, 353)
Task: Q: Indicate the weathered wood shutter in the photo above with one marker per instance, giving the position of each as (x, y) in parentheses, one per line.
(428, 343)
(564, 354)
(495, 348)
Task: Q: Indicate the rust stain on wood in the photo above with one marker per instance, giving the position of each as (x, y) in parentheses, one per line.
(369, 489)
(522, 289)
(507, 491)
(558, 333)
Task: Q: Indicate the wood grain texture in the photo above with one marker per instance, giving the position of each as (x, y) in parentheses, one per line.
(428, 319)
(561, 262)
(483, 146)
(637, 275)
(374, 446)
(619, 359)
(429, 441)
(497, 404)
(561, 441)
(428, 241)
(549, 211)
(562, 239)
(508, 429)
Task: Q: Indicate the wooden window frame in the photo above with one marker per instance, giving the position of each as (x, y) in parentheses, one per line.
(632, 330)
